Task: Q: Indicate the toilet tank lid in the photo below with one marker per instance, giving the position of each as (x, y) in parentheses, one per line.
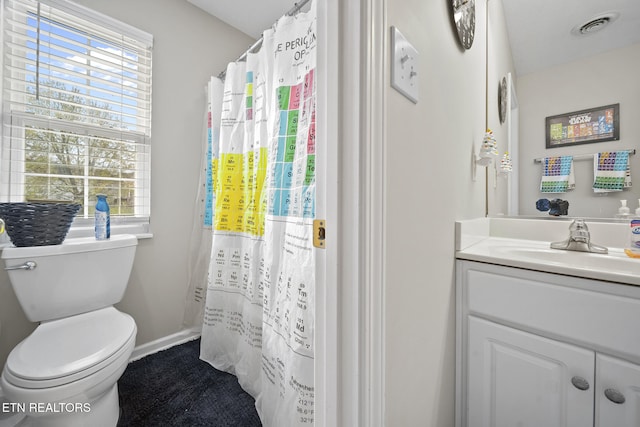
(70, 246)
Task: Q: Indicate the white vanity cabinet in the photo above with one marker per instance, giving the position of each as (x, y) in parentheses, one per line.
(520, 379)
(617, 379)
(545, 350)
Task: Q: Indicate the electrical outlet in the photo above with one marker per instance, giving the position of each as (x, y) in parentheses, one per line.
(404, 66)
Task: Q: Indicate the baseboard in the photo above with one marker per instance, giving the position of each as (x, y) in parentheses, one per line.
(164, 343)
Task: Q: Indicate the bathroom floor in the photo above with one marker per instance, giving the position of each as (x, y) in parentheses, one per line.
(175, 388)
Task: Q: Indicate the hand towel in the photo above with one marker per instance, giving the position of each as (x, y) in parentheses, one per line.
(557, 174)
(611, 171)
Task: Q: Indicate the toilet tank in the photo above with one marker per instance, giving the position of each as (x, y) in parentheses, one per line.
(79, 275)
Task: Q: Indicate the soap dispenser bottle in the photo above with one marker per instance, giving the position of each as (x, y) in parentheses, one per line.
(638, 210)
(623, 210)
(633, 247)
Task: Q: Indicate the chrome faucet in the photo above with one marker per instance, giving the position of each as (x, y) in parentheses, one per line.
(579, 240)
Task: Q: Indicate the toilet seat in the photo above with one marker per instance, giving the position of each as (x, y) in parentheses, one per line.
(66, 350)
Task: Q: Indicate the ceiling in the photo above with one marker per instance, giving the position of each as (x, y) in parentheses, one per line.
(540, 30)
(251, 17)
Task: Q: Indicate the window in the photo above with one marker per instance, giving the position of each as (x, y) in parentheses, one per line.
(76, 110)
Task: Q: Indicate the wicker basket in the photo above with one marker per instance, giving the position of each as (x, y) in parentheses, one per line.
(38, 224)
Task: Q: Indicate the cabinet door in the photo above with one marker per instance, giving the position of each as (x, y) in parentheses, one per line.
(617, 393)
(520, 379)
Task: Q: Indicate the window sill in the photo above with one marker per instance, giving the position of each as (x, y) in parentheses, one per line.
(141, 231)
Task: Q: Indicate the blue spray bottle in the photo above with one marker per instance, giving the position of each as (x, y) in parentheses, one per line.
(103, 220)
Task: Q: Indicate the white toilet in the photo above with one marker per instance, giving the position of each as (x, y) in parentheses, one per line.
(65, 373)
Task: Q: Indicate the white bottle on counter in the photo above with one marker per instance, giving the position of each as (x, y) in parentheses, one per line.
(633, 246)
(623, 210)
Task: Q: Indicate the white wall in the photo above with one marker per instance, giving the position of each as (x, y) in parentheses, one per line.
(603, 79)
(428, 186)
(189, 47)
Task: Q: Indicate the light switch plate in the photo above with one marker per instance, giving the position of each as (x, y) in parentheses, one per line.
(404, 66)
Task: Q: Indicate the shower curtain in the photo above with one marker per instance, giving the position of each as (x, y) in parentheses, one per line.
(200, 241)
(259, 310)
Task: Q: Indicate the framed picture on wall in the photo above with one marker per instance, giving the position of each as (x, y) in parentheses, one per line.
(584, 127)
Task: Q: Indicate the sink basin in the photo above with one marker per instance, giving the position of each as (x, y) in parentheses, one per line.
(615, 266)
(612, 261)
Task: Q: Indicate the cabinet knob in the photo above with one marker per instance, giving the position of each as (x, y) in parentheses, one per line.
(615, 396)
(580, 383)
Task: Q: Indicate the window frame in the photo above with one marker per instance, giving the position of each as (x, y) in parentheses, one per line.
(13, 170)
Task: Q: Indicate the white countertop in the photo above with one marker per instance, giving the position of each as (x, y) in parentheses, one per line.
(484, 241)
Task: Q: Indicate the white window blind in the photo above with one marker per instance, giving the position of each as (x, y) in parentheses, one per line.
(76, 109)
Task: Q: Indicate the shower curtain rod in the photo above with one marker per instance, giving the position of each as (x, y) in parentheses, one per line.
(254, 47)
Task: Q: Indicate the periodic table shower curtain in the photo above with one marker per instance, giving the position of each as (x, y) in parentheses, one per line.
(259, 311)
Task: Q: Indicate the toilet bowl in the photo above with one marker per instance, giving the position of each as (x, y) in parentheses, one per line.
(7, 418)
(65, 373)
